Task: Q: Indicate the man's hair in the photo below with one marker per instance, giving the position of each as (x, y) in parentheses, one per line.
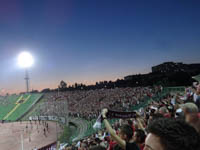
(175, 134)
(127, 130)
(163, 110)
(157, 116)
(190, 107)
(140, 134)
(97, 148)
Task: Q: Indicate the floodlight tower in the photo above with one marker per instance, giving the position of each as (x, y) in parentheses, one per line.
(25, 60)
(27, 80)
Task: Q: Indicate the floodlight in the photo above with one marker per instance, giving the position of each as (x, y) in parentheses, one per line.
(25, 60)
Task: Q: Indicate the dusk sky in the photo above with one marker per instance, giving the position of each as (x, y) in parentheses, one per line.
(85, 41)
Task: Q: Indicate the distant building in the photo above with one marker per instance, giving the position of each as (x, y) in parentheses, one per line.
(171, 67)
(166, 68)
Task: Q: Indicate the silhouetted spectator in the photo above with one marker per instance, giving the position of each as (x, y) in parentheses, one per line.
(170, 134)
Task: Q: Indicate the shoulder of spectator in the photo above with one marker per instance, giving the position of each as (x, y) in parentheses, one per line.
(114, 136)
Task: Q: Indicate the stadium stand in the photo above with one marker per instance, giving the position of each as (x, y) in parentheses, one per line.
(17, 106)
(7, 103)
(152, 106)
(85, 106)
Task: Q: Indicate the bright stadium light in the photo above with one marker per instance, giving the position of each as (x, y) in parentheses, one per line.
(25, 60)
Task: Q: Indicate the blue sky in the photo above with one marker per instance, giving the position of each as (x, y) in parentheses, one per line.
(88, 41)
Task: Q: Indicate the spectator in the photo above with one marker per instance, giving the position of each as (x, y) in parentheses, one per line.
(191, 115)
(97, 148)
(124, 140)
(88, 104)
(197, 97)
(164, 111)
(156, 116)
(169, 134)
(139, 138)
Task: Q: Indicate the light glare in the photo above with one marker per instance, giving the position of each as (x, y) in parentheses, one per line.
(25, 60)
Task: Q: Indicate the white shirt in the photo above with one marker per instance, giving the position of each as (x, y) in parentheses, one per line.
(195, 97)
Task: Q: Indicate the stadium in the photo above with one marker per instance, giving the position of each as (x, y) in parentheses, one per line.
(99, 75)
(65, 119)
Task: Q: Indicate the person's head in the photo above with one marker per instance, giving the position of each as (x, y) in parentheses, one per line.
(190, 111)
(163, 110)
(139, 136)
(83, 145)
(97, 148)
(155, 116)
(126, 132)
(170, 134)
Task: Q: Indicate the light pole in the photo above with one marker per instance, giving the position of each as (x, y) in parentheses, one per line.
(27, 80)
(25, 60)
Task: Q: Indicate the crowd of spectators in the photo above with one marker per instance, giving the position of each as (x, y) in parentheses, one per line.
(88, 104)
(171, 123)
